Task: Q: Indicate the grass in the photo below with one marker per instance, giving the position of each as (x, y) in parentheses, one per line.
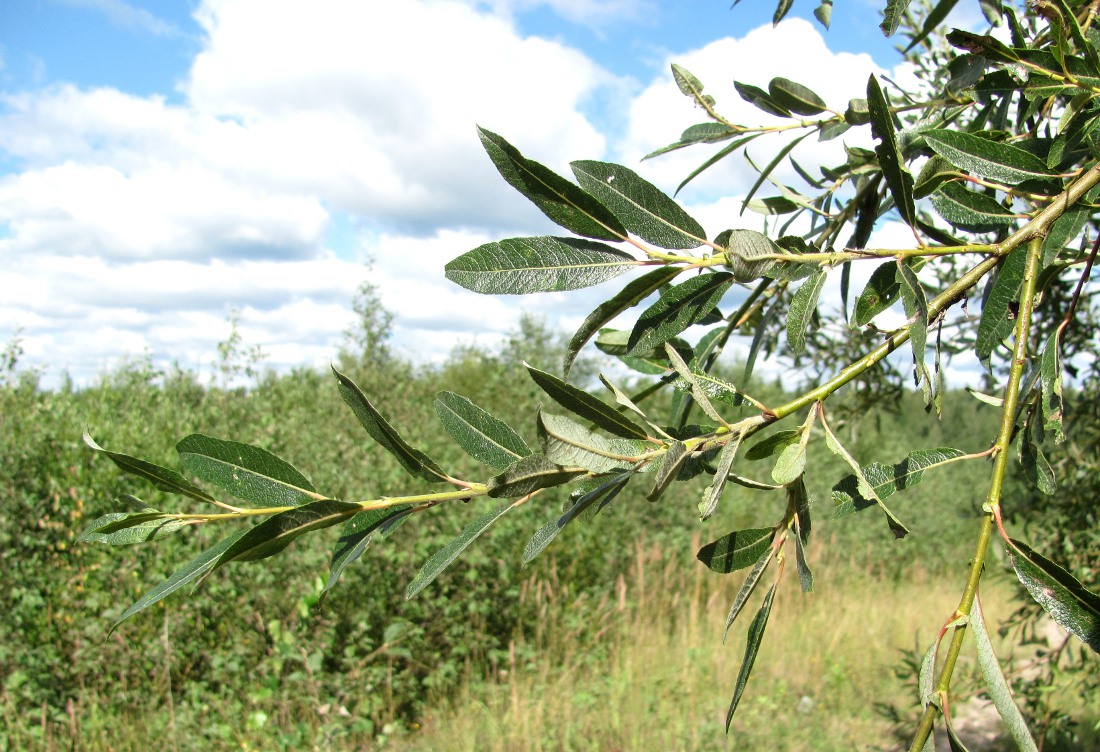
(646, 669)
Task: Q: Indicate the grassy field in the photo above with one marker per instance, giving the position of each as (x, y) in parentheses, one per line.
(609, 641)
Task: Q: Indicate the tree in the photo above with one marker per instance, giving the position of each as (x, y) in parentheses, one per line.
(989, 160)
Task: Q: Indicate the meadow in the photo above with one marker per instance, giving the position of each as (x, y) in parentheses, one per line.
(612, 640)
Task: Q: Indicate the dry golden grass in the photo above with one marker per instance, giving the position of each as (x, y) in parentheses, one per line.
(647, 670)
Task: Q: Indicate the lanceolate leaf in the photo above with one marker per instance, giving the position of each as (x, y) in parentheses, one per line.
(560, 200)
(795, 97)
(480, 435)
(713, 494)
(530, 474)
(248, 472)
(995, 682)
(568, 443)
(744, 249)
(442, 559)
(752, 647)
(898, 179)
(712, 386)
(736, 550)
(413, 460)
(997, 319)
(803, 308)
(643, 209)
(1051, 375)
(670, 465)
(521, 266)
(805, 576)
(355, 535)
(125, 528)
(882, 291)
(635, 292)
(986, 159)
(916, 308)
(857, 489)
(684, 305)
(1069, 602)
(190, 571)
(892, 15)
(161, 477)
(790, 464)
(776, 442)
(583, 404)
(970, 210)
(277, 532)
(604, 493)
(747, 587)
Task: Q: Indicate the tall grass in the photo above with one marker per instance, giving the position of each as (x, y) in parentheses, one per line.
(645, 669)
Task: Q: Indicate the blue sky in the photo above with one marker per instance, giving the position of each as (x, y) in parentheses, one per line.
(162, 163)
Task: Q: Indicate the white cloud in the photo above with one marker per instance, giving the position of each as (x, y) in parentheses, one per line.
(135, 223)
(661, 112)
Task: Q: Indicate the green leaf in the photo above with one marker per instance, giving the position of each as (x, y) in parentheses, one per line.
(986, 159)
(770, 167)
(126, 528)
(747, 588)
(563, 202)
(690, 86)
(248, 472)
(737, 550)
(970, 210)
(532, 473)
(744, 249)
(701, 133)
(803, 308)
(776, 442)
(682, 306)
(161, 477)
(192, 570)
(583, 404)
(865, 493)
(1035, 464)
(442, 558)
(932, 22)
(799, 500)
(781, 9)
(604, 493)
(1069, 603)
(568, 443)
(642, 208)
(824, 12)
(671, 463)
(415, 462)
(1050, 370)
(892, 16)
(697, 393)
(795, 97)
(916, 310)
(521, 266)
(998, 318)
(935, 172)
(709, 503)
(790, 464)
(882, 291)
(712, 386)
(898, 178)
(715, 158)
(636, 291)
(995, 682)
(805, 576)
(752, 647)
(355, 535)
(278, 531)
(483, 437)
(760, 99)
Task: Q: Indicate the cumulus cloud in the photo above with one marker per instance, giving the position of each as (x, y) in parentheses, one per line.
(133, 224)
